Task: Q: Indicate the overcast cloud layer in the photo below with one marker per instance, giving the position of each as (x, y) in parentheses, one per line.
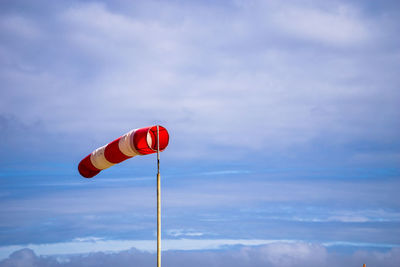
(242, 76)
(284, 120)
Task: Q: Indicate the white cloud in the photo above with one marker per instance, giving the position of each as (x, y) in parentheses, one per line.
(339, 26)
(274, 254)
(183, 233)
(283, 254)
(95, 244)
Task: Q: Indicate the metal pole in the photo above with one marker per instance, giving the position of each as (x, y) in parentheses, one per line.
(158, 202)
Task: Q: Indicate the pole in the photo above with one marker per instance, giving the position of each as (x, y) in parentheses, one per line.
(158, 201)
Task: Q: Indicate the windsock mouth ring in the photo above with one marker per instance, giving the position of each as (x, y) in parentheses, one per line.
(145, 139)
(152, 138)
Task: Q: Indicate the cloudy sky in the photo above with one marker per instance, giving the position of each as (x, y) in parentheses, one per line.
(284, 119)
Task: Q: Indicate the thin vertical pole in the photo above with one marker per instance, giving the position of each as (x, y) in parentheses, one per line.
(158, 201)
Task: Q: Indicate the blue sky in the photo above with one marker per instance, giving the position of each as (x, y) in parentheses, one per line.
(283, 115)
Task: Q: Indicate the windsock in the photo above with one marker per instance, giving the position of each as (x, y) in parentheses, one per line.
(141, 141)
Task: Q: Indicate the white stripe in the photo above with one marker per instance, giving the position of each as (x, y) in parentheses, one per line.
(126, 146)
(149, 140)
(99, 160)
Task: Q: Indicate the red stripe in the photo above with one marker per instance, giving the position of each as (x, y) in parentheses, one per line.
(140, 141)
(113, 154)
(86, 168)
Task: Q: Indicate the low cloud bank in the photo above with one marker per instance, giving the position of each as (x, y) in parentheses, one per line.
(273, 255)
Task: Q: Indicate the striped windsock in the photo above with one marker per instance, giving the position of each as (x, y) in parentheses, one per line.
(141, 141)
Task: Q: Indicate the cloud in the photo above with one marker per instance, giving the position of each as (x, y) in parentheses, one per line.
(111, 196)
(183, 233)
(229, 76)
(273, 255)
(284, 119)
(210, 208)
(339, 26)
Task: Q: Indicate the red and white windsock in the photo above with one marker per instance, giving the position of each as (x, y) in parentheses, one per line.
(141, 141)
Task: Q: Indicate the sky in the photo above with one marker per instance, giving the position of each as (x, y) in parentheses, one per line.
(284, 123)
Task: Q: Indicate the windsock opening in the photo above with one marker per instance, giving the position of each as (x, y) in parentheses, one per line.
(145, 139)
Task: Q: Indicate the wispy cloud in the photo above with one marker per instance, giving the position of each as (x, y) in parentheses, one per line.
(183, 233)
